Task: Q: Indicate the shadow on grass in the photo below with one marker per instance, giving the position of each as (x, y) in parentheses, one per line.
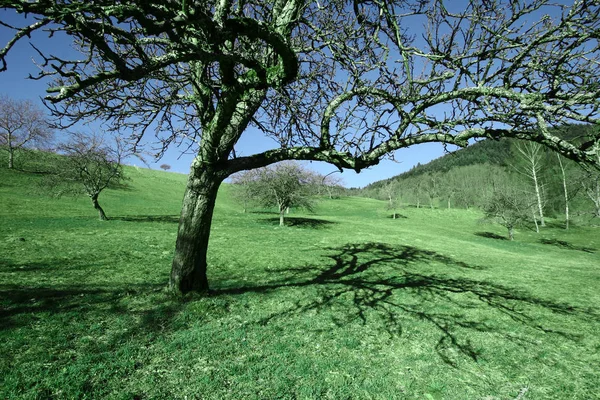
(50, 265)
(566, 245)
(149, 218)
(398, 216)
(490, 235)
(301, 222)
(22, 306)
(384, 286)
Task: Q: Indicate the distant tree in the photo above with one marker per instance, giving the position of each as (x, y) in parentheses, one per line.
(88, 166)
(165, 167)
(531, 154)
(332, 184)
(22, 123)
(431, 186)
(507, 207)
(244, 187)
(391, 193)
(282, 185)
(416, 186)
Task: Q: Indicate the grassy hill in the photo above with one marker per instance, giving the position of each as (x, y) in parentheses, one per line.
(343, 303)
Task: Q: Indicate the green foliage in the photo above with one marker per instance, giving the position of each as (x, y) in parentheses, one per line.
(343, 304)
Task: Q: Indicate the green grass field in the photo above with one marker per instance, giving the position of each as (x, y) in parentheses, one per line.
(345, 303)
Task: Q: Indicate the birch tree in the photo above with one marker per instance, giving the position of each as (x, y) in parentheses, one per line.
(344, 82)
(531, 154)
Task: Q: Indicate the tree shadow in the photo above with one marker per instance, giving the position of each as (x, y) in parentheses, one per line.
(21, 306)
(380, 285)
(50, 265)
(566, 245)
(490, 235)
(301, 222)
(149, 218)
(398, 216)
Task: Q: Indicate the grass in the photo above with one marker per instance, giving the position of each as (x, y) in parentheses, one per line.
(345, 303)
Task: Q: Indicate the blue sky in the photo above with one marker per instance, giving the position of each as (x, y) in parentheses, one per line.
(15, 84)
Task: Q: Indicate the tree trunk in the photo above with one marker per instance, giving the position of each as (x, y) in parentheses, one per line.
(538, 195)
(282, 217)
(101, 213)
(511, 233)
(537, 228)
(188, 271)
(11, 155)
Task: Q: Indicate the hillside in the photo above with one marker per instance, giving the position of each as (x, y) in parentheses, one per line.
(344, 302)
(489, 152)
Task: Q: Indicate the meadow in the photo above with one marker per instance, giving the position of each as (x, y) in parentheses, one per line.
(343, 303)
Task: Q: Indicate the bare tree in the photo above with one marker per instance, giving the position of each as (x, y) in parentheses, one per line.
(88, 166)
(282, 185)
(390, 191)
(532, 155)
(21, 124)
(333, 185)
(165, 167)
(432, 187)
(336, 81)
(507, 207)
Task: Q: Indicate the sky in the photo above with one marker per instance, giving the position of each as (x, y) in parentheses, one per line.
(14, 84)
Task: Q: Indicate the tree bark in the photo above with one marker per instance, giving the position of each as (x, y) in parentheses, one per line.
(538, 196)
(511, 234)
(101, 215)
(282, 217)
(188, 272)
(11, 153)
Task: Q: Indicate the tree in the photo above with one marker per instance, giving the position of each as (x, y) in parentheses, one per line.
(390, 191)
(21, 124)
(165, 167)
(333, 185)
(88, 166)
(431, 186)
(532, 155)
(508, 207)
(282, 185)
(340, 82)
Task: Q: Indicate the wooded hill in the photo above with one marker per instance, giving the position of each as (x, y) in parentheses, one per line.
(469, 176)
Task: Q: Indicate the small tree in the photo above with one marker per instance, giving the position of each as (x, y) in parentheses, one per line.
(88, 166)
(21, 124)
(333, 185)
(283, 185)
(165, 167)
(390, 193)
(432, 188)
(507, 207)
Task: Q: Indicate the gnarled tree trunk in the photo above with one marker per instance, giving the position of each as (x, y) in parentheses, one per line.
(188, 272)
(101, 213)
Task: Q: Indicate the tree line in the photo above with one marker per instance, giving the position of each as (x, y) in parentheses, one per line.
(529, 185)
